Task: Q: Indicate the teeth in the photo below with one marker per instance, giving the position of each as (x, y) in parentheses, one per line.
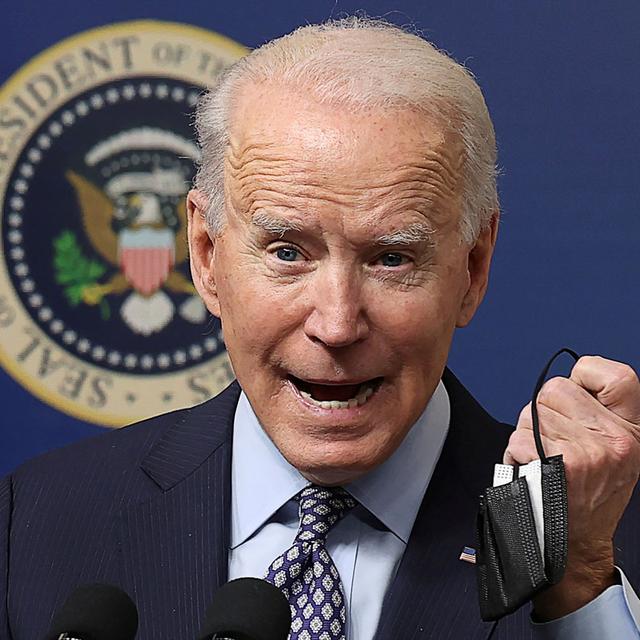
(362, 396)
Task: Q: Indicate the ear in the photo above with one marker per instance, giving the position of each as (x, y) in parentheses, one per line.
(478, 264)
(201, 250)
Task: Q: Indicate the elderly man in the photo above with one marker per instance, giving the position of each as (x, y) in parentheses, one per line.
(341, 228)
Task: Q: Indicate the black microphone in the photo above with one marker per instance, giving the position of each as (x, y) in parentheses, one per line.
(247, 609)
(95, 612)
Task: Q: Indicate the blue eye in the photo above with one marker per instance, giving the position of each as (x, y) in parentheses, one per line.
(392, 260)
(288, 254)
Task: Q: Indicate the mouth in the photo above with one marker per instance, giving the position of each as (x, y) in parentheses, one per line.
(328, 395)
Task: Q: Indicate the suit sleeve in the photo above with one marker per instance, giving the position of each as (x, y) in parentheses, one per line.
(6, 500)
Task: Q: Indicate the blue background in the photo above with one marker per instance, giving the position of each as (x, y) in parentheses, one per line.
(562, 82)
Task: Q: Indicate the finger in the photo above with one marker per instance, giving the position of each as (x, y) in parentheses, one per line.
(553, 424)
(614, 384)
(620, 441)
(569, 399)
(522, 449)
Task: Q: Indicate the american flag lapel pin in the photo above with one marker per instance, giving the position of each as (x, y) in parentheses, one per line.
(468, 555)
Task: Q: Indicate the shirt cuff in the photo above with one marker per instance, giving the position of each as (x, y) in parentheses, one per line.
(613, 615)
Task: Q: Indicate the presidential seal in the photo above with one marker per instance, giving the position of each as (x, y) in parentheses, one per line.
(98, 315)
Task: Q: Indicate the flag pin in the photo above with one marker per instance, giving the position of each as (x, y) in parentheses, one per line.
(468, 555)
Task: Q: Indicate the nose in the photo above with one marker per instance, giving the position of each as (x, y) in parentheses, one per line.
(337, 318)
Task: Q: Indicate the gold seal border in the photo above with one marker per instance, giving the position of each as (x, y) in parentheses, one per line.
(17, 372)
(118, 28)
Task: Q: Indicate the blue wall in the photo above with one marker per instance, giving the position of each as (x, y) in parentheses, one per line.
(561, 81)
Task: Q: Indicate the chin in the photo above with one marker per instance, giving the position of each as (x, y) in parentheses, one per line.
(337, 462)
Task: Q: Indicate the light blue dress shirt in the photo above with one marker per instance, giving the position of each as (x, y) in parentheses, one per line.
(368, 543)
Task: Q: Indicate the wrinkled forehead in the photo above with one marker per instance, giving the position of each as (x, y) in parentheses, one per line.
(288, 145)
(279, 124)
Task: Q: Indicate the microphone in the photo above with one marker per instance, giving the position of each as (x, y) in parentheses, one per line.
(247, 609)
(95, 612)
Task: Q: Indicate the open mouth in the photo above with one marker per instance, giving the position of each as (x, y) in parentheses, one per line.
(336, 396)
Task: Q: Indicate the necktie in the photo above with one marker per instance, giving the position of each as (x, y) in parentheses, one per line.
(305, 572)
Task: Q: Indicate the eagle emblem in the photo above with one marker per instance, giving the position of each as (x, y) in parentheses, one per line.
(136, 222)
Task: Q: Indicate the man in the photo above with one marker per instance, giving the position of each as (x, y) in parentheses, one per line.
(341, 227)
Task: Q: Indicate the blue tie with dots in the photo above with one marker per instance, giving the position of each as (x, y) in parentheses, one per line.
(305, 572)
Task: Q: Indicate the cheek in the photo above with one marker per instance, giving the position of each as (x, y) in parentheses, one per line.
(255, 315)
(417, 317)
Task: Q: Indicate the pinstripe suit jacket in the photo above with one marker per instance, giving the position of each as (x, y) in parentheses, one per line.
(147, 508)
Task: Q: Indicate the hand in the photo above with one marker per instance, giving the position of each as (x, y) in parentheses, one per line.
(592, 418)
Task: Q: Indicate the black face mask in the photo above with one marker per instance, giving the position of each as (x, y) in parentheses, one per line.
(518, 557)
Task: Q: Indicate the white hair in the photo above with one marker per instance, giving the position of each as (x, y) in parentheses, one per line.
(360, 63)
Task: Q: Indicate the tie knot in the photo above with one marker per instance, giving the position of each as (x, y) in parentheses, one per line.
(320, 509)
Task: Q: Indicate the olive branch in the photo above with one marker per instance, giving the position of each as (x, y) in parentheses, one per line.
(75, 272)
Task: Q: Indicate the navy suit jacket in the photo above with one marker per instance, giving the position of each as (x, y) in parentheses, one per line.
(147, 508)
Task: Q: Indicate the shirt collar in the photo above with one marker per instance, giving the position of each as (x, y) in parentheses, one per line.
(262, 480)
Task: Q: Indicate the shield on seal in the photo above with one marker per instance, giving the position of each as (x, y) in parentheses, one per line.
(146, 256)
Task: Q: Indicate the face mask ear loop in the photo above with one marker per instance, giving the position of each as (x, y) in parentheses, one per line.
(534, 401)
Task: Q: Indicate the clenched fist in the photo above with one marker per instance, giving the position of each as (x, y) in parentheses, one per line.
(592, 418)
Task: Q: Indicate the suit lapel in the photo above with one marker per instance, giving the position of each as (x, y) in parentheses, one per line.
(434, 593)
(174, 546)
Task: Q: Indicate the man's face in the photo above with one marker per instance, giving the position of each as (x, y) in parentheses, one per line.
(339, 276)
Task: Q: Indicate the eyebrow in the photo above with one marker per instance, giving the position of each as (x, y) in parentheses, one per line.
(413, 234)
(278, 226)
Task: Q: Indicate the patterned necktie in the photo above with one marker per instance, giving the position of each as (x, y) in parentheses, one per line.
(305, 572)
